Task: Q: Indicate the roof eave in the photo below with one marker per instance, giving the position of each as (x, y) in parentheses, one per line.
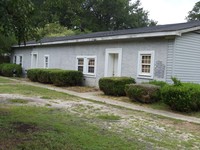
(106, 38)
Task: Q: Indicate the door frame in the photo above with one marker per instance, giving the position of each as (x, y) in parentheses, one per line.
(36, 63)
(113, 51)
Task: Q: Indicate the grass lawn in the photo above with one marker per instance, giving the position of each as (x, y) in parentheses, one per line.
(45, 128)
(3, 80)
(85, 125)
(28, 90)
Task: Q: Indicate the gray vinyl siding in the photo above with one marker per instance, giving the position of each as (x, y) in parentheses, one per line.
(64, 56)
(170, 56)
(187, 58)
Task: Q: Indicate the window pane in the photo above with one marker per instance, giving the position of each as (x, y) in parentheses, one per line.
(80, 68)
(80, 61)
(146, 68)
(90, 69)
(91, 62)
(146, 59)
(46, 59)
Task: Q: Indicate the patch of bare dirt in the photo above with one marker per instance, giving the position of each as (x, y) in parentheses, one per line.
(24, 127)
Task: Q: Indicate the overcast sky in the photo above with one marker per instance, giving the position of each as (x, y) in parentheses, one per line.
(168, 11)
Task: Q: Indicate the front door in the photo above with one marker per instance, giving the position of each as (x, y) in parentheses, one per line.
(113, 63)
(34, 60)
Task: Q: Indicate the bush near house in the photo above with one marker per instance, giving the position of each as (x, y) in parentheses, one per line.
(184, 97)
(56, 76)
(145, 93)
(158, 83)
(7, 69)
(32, 74)
(66, 77)
(40, 75)
(114, 85)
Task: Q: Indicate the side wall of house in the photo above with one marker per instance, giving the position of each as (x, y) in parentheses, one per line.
(186, 66)
(26, 55)
(65, 57)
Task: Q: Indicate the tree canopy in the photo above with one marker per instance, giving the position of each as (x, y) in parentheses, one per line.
(194, 14)
(33, 19)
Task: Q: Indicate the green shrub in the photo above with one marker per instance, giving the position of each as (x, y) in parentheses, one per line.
(145, 93)
(114, 85)
(176, 81)
(66, 77)
(158, 83)
(44, 75)
(33, 74)
(184, 98)
(7, 69)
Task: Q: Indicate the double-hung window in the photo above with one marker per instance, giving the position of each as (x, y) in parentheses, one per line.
(87, 65)
(46, 61)
(18, 59)
(145, 64)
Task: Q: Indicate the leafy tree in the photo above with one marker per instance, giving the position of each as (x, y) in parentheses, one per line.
(194, 14)
(54, 30)
(5, 44)
(100, 15)
(16, 19)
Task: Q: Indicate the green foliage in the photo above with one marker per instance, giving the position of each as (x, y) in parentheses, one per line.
(184, 98)
(32, 74)
(54, 30)
(113, 15)
(114, 85)
(158, 83)
(44, 75)
(194, 14)
(145, 93)
(66, 77)
(5, 45)
(176, 81)
(16, 18)
(56, 76)
(7, 69)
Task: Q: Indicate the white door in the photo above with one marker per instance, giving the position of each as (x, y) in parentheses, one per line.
(113, 63)
(34, 60)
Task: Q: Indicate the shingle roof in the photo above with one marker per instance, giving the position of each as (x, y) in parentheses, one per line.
(153, 29)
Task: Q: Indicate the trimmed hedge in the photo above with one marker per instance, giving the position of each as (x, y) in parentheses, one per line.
(66, 77)
(114, 85)
(7, 69)
(32, 74)
(144, 93)
(184, 98)
(56, 76)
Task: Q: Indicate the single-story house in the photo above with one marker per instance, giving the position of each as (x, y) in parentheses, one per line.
(148, 53)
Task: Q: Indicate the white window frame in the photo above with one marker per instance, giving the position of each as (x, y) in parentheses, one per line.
(46, 56)
(85, 65)
(139, 70)
(16, 59)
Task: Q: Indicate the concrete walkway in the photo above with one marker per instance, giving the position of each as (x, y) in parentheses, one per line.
(93, 96)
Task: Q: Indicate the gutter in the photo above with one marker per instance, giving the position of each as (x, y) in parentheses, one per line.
(107, 38)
